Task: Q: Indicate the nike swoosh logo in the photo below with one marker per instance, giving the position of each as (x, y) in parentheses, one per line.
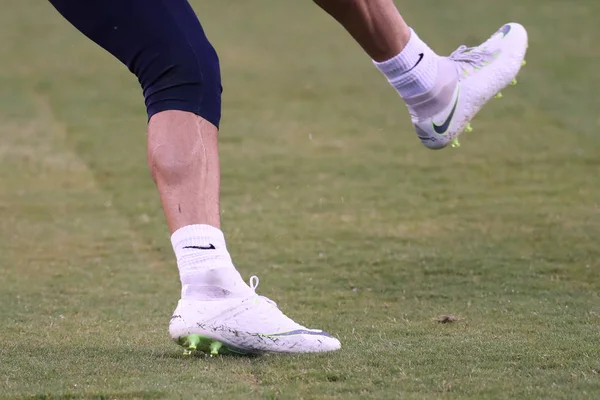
(441, 129)
(210, 247)
(421, 55)
(300, 332)
(504, 30)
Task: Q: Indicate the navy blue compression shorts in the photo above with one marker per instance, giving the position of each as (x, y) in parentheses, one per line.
(162, 43)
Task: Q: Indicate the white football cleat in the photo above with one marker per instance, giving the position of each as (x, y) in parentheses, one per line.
(251, 325)
(466, 80)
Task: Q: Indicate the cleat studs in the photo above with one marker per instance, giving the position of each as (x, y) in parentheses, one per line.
(513, 82)
(214, 348)
(455, 143)
(524, 63)
(468, 129)
(193, 341)
(197, 343)
(498, 95)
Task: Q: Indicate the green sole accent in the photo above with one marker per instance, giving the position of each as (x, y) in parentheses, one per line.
(455, 143)
(203, 344)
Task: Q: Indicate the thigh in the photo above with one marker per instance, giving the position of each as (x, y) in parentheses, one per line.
(127, 27)
(162, 42)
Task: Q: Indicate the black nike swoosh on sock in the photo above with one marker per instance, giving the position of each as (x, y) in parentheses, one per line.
(209, 247)
(421, 55)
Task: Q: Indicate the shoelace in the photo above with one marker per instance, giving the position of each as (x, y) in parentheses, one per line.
(473, 56)
(254, 281)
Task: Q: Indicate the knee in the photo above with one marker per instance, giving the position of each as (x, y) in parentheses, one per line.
(179, 144)
(169, 156)
(167, 165)
(164, 165)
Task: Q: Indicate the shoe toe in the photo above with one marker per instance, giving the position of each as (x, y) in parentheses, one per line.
(331, 344)
(307, 340)
(319, 343)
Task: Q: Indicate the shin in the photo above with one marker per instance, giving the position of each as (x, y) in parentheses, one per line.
(375, 24)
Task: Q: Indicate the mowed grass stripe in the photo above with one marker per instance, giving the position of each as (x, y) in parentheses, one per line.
(329, 197)
(83, 296)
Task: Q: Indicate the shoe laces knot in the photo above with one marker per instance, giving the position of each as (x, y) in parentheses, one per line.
(473, 57)
(254, 281)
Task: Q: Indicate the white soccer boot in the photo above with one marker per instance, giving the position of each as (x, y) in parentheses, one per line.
(250, 325)
(466, 80)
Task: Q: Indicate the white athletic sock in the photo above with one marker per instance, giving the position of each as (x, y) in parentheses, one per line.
(205, 266)
(413, 71)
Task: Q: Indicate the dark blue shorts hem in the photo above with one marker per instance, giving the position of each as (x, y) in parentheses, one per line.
(168, 105)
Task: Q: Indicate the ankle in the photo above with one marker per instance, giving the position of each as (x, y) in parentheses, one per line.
(414, 70)
(205, 266)
(200, 246)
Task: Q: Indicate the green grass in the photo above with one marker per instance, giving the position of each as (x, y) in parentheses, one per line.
(327, 195)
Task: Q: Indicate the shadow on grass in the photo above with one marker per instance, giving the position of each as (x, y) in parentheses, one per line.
(99, 396)
(80, 351)
(199, 355)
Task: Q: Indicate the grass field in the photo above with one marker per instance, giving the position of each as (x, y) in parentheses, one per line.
(328, 196)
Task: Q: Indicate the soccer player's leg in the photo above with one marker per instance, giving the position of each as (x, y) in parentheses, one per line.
(443, 94)
(164, 45)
